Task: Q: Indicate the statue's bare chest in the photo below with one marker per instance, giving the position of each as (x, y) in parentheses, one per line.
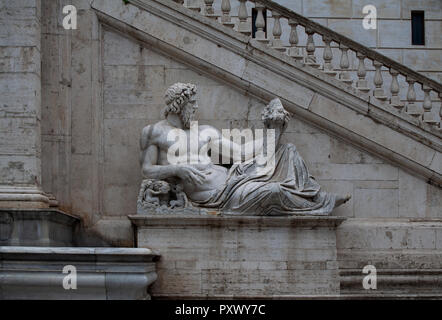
(187, 141)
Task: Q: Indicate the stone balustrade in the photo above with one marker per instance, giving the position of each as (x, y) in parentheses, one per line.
(387, 81)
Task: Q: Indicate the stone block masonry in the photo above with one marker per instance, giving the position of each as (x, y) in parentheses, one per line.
(241, 257)
(20, 105)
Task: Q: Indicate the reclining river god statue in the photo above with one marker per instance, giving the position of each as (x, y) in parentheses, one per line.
(280, 185)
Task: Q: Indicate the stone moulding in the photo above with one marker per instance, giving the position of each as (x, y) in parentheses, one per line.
(423, 283)
(44, 227)
(405, 251)
(358, 113)
(102, 273)
(238, 256)
(23, 197)
(231, 221)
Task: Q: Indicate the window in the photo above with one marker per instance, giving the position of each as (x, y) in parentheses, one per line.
(417, 28)
(254, 14)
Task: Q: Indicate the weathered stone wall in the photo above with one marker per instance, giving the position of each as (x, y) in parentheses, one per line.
(56, 102)
(69, 79)
(100, 88)
(20, 103)
(20, 91)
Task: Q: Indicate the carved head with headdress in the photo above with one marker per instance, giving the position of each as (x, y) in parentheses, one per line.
(275, 114)
(179, 99)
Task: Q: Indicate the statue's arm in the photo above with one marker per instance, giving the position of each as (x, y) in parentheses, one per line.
(220, 145)
(149, 158)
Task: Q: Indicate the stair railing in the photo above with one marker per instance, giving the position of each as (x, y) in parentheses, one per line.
(400, 93)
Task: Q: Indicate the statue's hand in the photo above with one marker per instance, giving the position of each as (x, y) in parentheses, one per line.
(190, 174)
(273, 124)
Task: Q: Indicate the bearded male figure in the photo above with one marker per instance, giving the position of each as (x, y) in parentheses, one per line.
(244, 189)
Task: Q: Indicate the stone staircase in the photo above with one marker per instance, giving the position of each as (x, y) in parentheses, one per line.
(318, 36)
(352, 104)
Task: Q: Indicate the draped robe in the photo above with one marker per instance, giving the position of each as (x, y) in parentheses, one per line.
(289, 189)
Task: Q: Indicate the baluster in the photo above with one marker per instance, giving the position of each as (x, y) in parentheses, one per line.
(194, 5)
(412, 108)
(328, 57)
(361, 83)
(260, 23)
(243, 27)
(344, 64)
(310, 59)
(225, 18)
(208, 9)
(428, 116)
(277, 42)
(395, 101)
(294, 51)
(378, 92)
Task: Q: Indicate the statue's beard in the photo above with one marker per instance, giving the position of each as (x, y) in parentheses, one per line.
(187, 115)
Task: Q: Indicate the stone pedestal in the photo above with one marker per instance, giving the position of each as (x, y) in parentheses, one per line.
(236, 256)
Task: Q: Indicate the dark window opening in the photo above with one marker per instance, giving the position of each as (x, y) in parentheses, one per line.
(254, 15)
(417, 28)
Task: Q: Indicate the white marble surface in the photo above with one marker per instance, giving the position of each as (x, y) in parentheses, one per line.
(242, 256)
(77, 250)
(101, 273)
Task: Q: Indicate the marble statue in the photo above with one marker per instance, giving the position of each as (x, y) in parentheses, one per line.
(244, 188)
(160, 194)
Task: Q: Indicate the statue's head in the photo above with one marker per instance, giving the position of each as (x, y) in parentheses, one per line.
(160, 186)
(180, 99)
(178, 187)
(275, 114)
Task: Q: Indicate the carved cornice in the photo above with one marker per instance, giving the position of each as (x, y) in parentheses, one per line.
(232, 221)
